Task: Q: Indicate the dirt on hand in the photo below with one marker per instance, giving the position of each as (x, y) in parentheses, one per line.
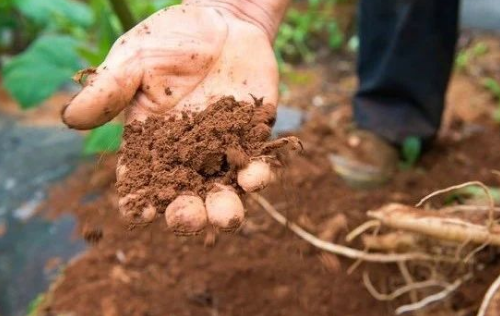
(167, 157)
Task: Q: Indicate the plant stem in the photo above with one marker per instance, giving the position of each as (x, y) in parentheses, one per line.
(124, 14)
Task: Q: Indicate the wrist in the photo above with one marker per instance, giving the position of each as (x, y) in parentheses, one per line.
(265, 14)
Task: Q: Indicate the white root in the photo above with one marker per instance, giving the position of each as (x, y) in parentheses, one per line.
(338, 249)
(391, 242)
(449, 228)
(488, 297)
(361, 229)
(491, 201)
(413, 223)
(467, 209)
(433, 298)
(400, 291)
(408, 279)
(358, 262)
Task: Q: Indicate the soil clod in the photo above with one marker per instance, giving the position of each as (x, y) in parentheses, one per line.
(168, 157)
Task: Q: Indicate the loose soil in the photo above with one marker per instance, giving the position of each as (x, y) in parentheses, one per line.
(264, 269)
(164, 158)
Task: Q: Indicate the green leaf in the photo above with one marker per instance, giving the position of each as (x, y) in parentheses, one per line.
(462, 59)
(335, 38)
(43, 11)
(411, 150)
(478, 193)
(106, 138)
(34, 304)
(36, 74)
(496, 115)
(473, 194)
(480, 49)
(107, 30)
(492, 85)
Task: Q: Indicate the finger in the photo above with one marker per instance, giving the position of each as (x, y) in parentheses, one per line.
(224, 209)
(186, 215)
(106, 93)
(134, 209)
(255, 176)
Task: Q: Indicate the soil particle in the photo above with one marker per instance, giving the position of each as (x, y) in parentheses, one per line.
(165, 158)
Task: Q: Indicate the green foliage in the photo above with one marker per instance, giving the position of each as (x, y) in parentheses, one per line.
(106, 30)
(473, 195)
(52, 58)
(410, 152)
(494, 87)
(302, 29)
(22, 21)
(106, 138)
(67, 31)
(59, 37)
(34, 304)
(36, 74)
(45, 13)
(142, 9)
(466, 55)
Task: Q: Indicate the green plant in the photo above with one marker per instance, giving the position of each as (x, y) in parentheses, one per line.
(57, 38)
(473, 194)
(493, 86)
(104, 139)
(410, 152)
(466, 55)
(302, 29)
(38, 72)
(22, 21)
(35, 304)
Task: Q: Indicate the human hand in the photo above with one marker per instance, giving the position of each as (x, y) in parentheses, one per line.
(182, 58)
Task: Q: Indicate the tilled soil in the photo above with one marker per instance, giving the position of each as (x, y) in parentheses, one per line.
(263, 269)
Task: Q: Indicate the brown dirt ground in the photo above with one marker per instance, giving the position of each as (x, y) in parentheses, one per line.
(264, 269)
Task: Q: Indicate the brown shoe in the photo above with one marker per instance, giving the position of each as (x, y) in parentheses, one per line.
(365, 160)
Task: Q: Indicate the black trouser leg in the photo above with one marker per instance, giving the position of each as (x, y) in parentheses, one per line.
(405, 59)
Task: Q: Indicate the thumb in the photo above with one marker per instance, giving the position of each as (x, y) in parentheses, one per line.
(106, 93)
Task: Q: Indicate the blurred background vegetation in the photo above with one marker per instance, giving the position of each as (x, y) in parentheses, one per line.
(43, 43)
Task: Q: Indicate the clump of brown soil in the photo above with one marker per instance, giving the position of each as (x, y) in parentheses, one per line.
(168, 157)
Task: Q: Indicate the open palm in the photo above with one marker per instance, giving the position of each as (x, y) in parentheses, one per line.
(181, 58)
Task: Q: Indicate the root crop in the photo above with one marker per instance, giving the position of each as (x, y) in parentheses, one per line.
(433, 248)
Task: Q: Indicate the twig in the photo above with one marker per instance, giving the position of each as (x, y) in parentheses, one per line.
(400, 291)
(432, 298)
(492, 290)
(120, 7)
(361, 229)
(491, 202)
(338, 249)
